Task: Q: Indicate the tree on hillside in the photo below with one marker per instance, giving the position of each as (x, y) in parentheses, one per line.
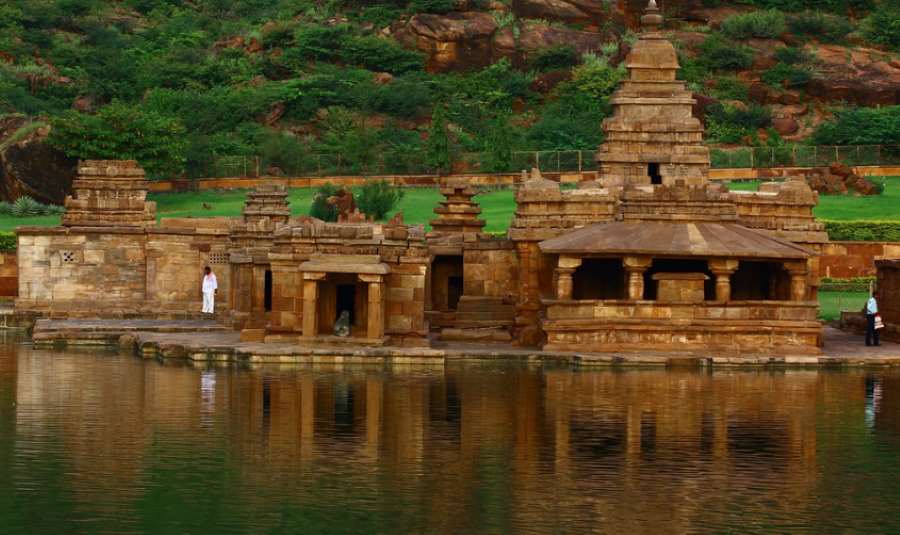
(122, 132)
(437, 148)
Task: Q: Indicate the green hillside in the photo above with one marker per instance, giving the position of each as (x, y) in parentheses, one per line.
(412, 85)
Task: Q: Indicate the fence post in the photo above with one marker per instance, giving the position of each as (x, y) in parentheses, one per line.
(751, 158)
(257, 165)
(836, 157)
(537, 159)
(579, 161)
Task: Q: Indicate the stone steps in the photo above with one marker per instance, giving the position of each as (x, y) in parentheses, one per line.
(107, 332)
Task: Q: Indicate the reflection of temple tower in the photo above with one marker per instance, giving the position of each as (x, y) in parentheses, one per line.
(652, 137)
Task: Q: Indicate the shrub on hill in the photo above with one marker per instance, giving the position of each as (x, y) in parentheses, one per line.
(119, 131)
(882, 26)
(821, 26)
(380, 54)
(730, 124)
(555, 57)
(861, 126)
(431, 6)
(786, 75)
(767, 24)
(718, 53)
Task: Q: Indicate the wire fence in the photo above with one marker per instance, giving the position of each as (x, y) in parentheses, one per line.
(310, 164)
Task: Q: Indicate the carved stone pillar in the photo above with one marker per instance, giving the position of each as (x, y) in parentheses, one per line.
(375, 319)
(635, 266)
(723, 268)
(566, 266)
(797, 271)
(311, 303)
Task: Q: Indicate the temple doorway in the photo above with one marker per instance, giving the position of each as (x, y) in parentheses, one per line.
(447, 283)
(339, 292)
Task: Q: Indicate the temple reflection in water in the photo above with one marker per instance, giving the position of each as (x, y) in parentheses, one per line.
(630, 449)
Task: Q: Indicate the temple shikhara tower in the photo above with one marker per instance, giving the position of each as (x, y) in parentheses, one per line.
(652, 136)
(648, 255)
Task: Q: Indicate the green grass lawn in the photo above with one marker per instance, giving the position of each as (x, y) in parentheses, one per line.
(884, 207)
(497, 207)
(831, 303)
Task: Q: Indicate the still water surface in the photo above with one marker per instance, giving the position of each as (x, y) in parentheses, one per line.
(100, 442)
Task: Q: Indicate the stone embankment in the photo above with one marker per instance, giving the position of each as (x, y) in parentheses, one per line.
(203, 341)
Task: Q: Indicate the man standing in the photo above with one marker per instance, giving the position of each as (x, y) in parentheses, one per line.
(871, 311)
(210, 287)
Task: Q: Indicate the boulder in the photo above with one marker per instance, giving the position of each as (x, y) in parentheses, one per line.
(785, 126)
(758, 92)
(589, 11)
(546, 81)
(535, 36)
(839, 178)
(453, 41)
(29, 166)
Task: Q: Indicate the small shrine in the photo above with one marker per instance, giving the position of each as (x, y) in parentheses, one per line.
(110, 193)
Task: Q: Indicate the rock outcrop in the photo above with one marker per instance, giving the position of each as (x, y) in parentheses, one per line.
(473, 40)
(860, 76)
(29, 166)
(581, 11)
(839, 178)
(454, 41)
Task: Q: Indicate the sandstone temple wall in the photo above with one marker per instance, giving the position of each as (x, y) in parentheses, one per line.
(490, 269)
(82, 272)
(889, 297)
(111, 272)
(9, 274)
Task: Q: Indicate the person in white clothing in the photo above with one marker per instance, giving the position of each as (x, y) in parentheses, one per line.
(210, 287)
(871, 312)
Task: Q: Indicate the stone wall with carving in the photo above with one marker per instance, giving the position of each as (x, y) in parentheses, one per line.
(82, 272)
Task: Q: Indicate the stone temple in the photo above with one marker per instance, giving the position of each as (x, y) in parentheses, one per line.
(650, 256)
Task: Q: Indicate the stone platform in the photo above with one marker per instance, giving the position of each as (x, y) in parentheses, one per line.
(207, 341)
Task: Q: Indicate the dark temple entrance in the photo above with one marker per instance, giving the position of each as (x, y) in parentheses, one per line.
(653, 173)
(346, 300)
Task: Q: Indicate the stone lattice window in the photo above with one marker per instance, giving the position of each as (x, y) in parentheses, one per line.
(68, 257)
(218, 258)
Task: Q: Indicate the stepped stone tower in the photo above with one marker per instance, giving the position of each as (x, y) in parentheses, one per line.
(652, 138)
(267, 203)
(109, 193)
(458, 213)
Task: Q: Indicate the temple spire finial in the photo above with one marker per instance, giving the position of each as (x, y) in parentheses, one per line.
(651, 20)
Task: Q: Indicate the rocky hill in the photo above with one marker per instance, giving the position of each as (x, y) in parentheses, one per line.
(410, 85)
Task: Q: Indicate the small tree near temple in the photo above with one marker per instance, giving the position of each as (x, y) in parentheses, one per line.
(320, 208)
(377, 198)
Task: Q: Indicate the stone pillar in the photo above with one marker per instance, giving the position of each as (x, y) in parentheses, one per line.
(722, 268)
(528, 305)
(566, 266)
(797, 271)
(311, 303)
(635, 266)
(375, 319)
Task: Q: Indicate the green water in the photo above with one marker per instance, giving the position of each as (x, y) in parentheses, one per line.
(107, 443)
